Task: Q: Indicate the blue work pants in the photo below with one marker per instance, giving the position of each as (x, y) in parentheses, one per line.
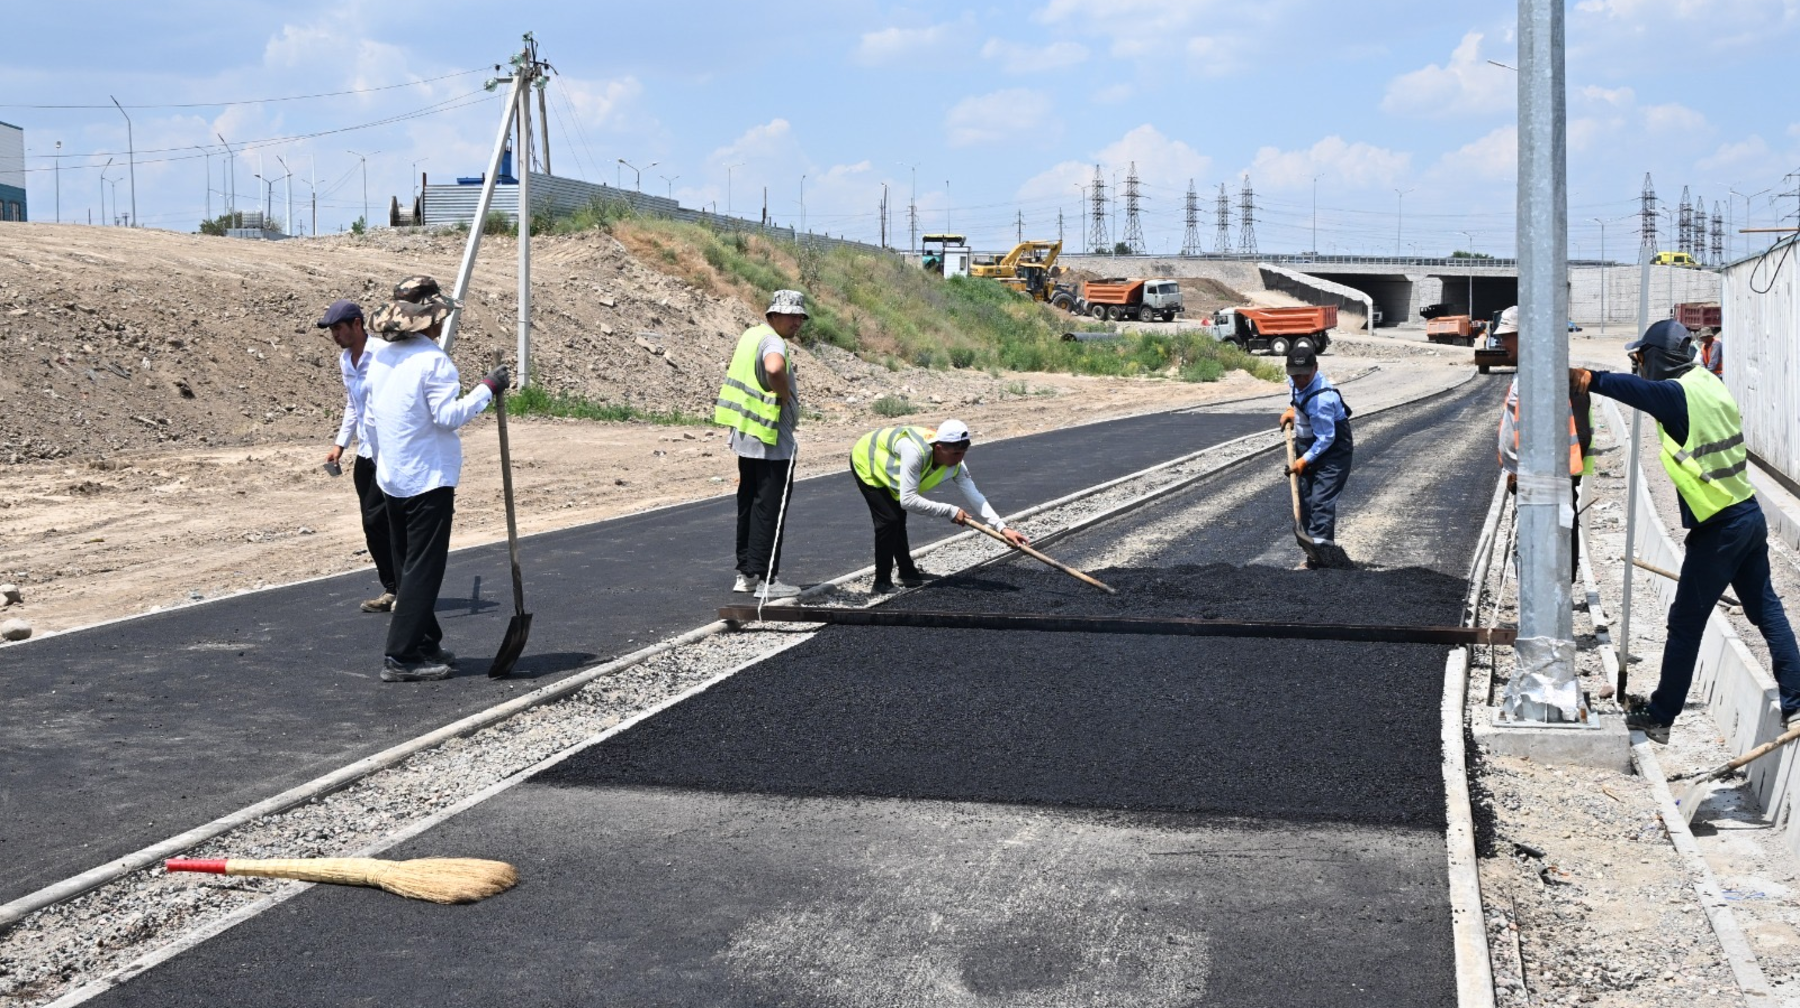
(1322, 482)
(1731, 551)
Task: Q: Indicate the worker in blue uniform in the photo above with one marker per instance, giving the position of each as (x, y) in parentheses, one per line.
(1728, 539)
(1321, 422)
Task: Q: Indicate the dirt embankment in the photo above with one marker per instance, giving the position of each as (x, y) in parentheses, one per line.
(165, 402)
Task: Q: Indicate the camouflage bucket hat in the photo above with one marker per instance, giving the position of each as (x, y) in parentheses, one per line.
(419, 303)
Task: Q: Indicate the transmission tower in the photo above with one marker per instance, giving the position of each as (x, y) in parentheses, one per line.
(1247, 220)
(1059, 223)
(1190, 239)
(1718, 235)
(1647, 215)
(1685, 224)
(1134, 230)
(1019, 222)
(1097, 224)
(1222, 217)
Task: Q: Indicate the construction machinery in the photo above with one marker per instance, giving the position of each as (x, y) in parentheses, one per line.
(1457, 330)
(1276, 330)
(1143, 300)
(1497, 351)
(947, 255)
(1027, 268)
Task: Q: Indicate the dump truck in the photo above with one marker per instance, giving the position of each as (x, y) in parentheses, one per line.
(1497, 351)
(1699, 315)
(1276, 330)
(1119, 298)
(1456, 330)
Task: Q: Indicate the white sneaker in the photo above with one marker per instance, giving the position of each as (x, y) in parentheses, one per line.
(746, 583)
(776, 589)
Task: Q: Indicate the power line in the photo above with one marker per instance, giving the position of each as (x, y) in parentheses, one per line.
(260, 101)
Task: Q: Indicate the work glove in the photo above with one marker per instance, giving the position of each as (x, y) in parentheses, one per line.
(1579, 379)
(1287, 418)
(497, 380)
(1296, 467)
(1512, 483)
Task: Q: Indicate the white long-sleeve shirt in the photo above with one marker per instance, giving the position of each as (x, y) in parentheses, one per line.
(415, 406)
(912, 468)
(356, 398)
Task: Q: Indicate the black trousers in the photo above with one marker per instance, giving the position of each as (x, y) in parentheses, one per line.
(891, 546)
(420, 530)
(1323, 481)
(760, 483)
(374, 521)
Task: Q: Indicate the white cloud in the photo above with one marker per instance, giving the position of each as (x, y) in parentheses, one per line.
(1018, 58)
(1493, 158)
(772, 139)
(1014, 113)
(1354, 165)
(1750, 156)
(1622, 97)
(894, 44)
(600, 104)
(1464, 85)
(1114, 94)
(1673, 118)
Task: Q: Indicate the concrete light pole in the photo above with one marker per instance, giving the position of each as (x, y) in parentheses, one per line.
(1747, 200)
(287, 194)
(728, 169)
(364, 158)
(131, 147)
(103, 168)
(670, 181)
(1470, 235)
(229, 192)
(58, 174)
(637, 174)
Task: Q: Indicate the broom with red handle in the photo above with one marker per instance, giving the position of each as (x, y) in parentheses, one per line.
(440, 880)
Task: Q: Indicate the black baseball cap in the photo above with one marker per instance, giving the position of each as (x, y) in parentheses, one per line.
(341, 310)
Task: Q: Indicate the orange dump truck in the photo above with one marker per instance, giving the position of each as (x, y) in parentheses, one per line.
(1143, 300)
(1455, 329)
(1277, 330)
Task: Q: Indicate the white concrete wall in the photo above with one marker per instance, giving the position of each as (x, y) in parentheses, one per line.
(12, 156)
(1669, 285)
(1762, 358)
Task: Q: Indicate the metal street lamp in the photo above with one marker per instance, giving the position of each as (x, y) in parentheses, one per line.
(1315, 222)
(1747, 200)
(1603, 306)
(912, 206)
(415, 175)
(803, 203)
(1470, 235)
(58, 174)
(364, 158)
(1399, 216)
(103, 168)
(670, 181)
(728, 169)
(637, 174)
(131, 147)
(287, 194)
(208, 156)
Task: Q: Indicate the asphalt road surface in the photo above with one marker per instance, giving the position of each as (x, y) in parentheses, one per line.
(913, 817)
(119, 736)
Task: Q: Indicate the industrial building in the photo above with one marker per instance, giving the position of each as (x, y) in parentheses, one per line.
(12, 173)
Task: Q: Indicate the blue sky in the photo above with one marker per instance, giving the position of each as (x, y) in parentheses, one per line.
(1004, 109)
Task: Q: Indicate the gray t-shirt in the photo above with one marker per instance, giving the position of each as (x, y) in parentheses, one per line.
(750, 446)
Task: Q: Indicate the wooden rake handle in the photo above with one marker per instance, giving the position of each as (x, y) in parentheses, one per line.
(1750, 757)
(1293, 477)
(1034, 554)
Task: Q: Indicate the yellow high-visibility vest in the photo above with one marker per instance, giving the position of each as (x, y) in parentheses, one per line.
(744, 403)
(876, 458)
(1709, 469)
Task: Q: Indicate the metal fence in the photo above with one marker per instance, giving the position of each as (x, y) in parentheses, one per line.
(450, 205)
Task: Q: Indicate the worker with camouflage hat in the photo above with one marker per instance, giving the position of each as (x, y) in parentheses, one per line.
(893, 468)
(760, 403)
(415, 407)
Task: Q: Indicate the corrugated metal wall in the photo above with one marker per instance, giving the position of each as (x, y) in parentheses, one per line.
(455, 204)
(1761, 302)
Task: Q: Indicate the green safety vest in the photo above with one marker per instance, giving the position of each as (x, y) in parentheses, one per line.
(1709, 469)
(743, 403)
(876, 458)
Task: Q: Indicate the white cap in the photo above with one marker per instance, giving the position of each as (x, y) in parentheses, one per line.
(787, 302)
(951, 432)
(1509, 321)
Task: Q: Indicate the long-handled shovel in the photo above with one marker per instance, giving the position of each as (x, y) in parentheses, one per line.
(1692, 797)
(1034, 554)
(519, 629)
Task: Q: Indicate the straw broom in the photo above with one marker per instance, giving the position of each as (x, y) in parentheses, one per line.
(440, 880)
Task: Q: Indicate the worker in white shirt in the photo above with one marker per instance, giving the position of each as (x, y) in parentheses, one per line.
(893, 467)
(415, 407)
(344, 322)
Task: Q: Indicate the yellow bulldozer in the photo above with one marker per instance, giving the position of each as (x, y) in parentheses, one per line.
(1028, 269)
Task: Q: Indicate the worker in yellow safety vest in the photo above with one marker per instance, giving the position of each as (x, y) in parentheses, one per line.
(759, 402)
(1704, 454)
(1581, 452)
(893, 467)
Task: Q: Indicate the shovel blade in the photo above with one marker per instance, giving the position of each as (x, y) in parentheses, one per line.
(511, 647)
(1692, 797)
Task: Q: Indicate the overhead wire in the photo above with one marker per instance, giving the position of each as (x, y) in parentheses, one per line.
(256, 101)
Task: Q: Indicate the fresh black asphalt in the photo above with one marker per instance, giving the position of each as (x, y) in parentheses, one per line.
(915, 817)
(116, 737)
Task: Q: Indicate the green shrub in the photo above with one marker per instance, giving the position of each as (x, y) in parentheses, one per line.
(534, 401)
(893, 406)
(497, 223)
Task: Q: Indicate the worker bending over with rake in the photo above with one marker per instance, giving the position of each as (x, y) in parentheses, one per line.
(1321, 422)
(1728, 539)
(893, 467)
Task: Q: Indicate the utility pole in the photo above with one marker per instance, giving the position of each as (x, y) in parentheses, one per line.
(1542, 687)
(1399, 218)
(1315, 215)
(208, 156)
(1603, 305)
(364, 158)
(529, 69)
(315, 193)
(131, 146)
(884, 215)
(103, 168)
(541, 80)
(228, 192)
(1470, 235)
(287, 178)
(1019, 223)
(1059, 226)
(58, 174)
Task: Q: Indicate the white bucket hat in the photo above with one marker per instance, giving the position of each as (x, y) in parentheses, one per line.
(951, 432)
(787, 302)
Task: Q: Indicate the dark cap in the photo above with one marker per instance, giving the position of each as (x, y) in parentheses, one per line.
(1301, 360)
(341, 310)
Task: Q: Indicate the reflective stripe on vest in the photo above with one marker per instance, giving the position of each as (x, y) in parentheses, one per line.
(1708, 470)
(743, 403)
(1509, 438)
(876, 458)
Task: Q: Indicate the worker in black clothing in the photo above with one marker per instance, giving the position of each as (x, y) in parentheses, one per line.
(1728, 539)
